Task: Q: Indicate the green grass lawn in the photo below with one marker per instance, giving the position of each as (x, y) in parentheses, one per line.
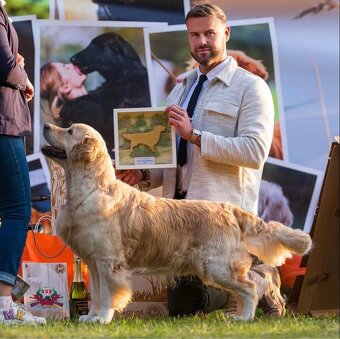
(214, 325)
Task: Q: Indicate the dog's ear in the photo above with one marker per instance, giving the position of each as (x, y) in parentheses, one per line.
(85, 151)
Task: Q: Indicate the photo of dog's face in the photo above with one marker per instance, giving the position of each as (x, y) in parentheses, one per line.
(288, 193)
(108, 54)
(273, 204)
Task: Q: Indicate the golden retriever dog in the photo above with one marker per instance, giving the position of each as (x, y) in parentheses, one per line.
(118, 230)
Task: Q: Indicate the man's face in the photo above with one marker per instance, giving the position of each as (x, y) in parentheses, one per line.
(207, 39)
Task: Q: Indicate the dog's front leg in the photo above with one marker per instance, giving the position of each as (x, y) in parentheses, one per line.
(115, 291)
(95, 292)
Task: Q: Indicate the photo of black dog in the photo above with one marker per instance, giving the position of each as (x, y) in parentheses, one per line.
(126, 84)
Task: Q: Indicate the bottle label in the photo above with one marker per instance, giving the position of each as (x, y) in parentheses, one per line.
(80, 307)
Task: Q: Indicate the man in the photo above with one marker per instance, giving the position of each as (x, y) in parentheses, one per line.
(221, 150)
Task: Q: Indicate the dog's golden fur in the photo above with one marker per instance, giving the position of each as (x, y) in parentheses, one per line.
(118, 230)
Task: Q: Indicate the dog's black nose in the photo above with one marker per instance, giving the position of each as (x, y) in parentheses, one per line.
(47, 126)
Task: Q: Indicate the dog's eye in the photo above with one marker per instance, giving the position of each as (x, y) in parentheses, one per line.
(70, 131)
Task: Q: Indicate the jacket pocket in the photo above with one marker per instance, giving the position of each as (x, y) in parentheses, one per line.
(221, 118)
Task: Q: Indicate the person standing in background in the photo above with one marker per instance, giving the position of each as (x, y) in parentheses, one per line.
(15, 195)
(224, 118)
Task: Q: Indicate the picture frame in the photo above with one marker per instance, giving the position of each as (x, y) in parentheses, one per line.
(301, 187)
(54, 46)
(143, 138)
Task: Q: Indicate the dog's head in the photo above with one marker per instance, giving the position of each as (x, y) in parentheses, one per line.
(273, 205)
(78, 145)
(109, 54)
(160, 128)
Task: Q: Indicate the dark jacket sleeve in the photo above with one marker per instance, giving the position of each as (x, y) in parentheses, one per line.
(11, 73)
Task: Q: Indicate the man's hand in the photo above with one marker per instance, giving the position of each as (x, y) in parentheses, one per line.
(131, 177)
(29, 91)
(179, 118)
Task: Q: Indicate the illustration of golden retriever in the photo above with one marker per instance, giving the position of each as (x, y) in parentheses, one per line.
(118, 230)
(149, 139)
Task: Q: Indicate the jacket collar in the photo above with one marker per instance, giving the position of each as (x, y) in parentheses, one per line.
(225, 74)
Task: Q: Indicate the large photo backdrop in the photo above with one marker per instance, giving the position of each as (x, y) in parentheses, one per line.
(293, 45)
(307, 33)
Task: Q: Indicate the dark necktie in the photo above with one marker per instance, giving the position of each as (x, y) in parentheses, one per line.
(182, 149)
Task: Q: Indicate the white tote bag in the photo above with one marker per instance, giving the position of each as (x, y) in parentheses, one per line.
(47, 295)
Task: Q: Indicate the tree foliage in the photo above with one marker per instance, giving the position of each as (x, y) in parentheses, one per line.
(40, 8)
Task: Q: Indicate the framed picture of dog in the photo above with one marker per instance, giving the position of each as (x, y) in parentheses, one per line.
(289, 193)
(252, 45)
(143, 139)
(105, 67)
(169, 11)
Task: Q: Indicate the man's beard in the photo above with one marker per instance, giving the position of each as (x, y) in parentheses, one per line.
(208, 58)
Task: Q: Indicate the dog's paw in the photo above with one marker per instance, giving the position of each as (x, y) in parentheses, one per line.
(86, 318)
(244, 317)
(100, 320)
(239, 317)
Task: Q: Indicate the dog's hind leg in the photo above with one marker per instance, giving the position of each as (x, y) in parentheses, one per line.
(115, 291)
(246, 291)
(232, 276)
(243, 288)
(95, 292)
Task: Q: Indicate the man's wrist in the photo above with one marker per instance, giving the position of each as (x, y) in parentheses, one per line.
(196, 137)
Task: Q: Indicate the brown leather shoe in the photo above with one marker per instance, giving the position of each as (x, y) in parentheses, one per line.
(272, 303)
(233, 306)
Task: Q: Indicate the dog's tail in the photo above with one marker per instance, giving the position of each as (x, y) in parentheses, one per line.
(272, 242)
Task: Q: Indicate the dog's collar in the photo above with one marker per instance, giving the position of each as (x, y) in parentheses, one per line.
(74, 209)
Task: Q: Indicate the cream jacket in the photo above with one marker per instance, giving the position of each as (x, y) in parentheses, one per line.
(235, 113)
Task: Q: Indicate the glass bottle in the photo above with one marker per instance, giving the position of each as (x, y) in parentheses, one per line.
(78, 294)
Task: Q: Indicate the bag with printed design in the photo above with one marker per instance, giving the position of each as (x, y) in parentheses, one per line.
(47, 295)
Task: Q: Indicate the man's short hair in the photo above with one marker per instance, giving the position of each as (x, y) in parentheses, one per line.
(205, 10)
